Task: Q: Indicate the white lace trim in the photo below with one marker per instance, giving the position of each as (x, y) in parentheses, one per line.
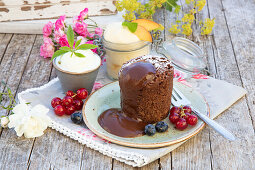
(130, 158)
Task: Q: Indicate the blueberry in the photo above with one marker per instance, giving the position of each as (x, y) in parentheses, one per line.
(77, 118)
(161, 126)
(150, 130)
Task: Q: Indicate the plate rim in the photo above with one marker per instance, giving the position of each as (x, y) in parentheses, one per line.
(135, 145)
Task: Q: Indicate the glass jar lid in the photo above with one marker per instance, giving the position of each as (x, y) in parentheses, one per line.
(184, 54)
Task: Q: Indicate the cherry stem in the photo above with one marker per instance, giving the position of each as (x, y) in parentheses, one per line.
(74, 95)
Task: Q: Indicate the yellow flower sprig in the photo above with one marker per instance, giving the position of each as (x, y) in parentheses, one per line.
(174, 29)
(207, 26)
(184, 25)
(134, 9)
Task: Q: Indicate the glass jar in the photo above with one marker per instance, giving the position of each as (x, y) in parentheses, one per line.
(118, 54)
(186, 56)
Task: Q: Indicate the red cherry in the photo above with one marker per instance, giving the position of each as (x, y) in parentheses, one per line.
(185, 115)
(192, 120)
(174, 117)
(70, 109)
(78, 104)
(59, 110)
(75, 97)
(82, 93)
(70, 93)
(181, 124)
(56, 101)
(175, 109)
(67, 101)
(187, 109)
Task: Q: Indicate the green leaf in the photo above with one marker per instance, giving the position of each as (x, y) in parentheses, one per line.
(1, 98)
(28, 103)
(177, 9)
(170, 4)
(65, 48)
(132, 26)
(86, 47)
(70, 36)
(79, 55)
(3, 83)
(77, 43)
(58, 53)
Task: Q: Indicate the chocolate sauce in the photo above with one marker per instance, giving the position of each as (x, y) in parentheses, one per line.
(116, 122)
(132, 79)
(137, 74)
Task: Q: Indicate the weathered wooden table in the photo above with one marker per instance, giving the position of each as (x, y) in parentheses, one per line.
(230, 53)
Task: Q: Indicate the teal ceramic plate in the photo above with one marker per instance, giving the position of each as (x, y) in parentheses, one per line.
(109, 97)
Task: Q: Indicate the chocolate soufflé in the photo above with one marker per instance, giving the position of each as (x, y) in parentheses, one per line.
(146, 85)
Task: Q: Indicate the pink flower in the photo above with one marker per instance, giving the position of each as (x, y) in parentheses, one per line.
(60, 23)
(99, 31)
(63, 41)
(81, 28)
(83, 14)
(47, 49)
(93, 50)
(57, 34)
(47, 29)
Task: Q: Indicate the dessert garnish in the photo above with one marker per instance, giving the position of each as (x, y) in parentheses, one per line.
(150, 130)
(161, 126)
(77, 118)
(131, 26)
(73, 47)
(181, 124)
(82, 93)
(147, 24)
(118, 123)
(182, 117)
(70, 103)
(141, 28)
(59, 110)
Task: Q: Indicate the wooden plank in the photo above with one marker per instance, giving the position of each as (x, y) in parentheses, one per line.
(95, 160)
(37, 70)
(55, 150)
(240, 153)
(14, 154)
(241, 24)
(117, 165)
(14, 61)
(30, 10)
(4, 42)
(194, 154)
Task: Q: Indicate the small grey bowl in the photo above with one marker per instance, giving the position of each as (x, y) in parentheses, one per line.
(74, 81)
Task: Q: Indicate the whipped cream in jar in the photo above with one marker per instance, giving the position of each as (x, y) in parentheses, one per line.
(120, 46)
